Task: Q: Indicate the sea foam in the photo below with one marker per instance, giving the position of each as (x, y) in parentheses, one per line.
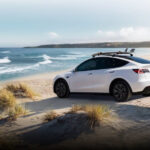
(5, 60)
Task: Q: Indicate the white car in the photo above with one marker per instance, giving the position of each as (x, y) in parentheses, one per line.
(118, 73)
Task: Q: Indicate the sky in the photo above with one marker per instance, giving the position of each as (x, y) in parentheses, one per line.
(36, 22)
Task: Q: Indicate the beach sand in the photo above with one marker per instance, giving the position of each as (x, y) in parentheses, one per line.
(133, 114)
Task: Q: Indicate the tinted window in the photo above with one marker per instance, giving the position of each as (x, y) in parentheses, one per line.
(139, 60)
(87, 65)
(105, 63)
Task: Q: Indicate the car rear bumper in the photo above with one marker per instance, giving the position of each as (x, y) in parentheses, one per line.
(140, 86)
(146, 90)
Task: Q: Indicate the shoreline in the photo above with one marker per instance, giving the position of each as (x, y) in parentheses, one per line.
(40, 83)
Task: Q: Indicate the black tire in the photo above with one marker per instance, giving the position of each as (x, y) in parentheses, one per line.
(61, 89)
(146, 94)
(121, 91)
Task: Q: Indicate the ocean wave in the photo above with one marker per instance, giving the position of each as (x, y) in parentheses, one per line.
(4, 70)
(5, 60)
(46, 60)
(76, 53)
(14, 69)
(67, 57)
(5, 52)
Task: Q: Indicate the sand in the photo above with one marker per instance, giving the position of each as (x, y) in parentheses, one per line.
(133, 115)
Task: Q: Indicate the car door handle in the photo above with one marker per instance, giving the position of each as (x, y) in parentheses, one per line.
(90, 73)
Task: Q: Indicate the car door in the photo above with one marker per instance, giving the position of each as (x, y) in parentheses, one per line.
(82, 78)
(102, 75)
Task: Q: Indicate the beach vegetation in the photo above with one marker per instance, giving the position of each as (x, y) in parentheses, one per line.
(16, 111)
(95, 113)
(50, 116)
(76, 108)
(21, 90)
(7, 99)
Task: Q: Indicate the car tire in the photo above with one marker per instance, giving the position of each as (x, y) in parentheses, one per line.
(61, 89)
(145, 95)
(121, 91)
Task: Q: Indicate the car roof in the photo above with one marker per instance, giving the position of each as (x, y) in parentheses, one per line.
(130, 59)
(122, 57)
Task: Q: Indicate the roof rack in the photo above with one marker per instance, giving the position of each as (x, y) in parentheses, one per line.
(115, 53)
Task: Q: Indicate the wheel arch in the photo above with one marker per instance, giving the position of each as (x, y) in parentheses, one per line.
(116, 80)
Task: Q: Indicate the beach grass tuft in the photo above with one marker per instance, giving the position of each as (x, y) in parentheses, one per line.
(21, 90)
(50, 116)
(7, 99)
(95, 113)
(16, 111)
(76, 108)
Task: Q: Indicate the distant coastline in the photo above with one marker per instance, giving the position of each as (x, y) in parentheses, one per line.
(97, 45)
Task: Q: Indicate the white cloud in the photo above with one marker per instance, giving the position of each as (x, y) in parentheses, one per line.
(125, 34)
(53, 35)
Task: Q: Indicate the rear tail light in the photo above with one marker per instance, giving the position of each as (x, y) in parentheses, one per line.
(141, 71)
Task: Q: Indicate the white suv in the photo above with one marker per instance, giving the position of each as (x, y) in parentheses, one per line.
(118, 73)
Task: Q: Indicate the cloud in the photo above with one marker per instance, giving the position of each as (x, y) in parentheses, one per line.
(125, 34)
(53, 35)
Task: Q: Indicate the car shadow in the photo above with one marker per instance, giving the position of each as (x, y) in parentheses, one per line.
(55, 103)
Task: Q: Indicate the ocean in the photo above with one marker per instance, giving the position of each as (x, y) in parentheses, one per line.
(21, 62)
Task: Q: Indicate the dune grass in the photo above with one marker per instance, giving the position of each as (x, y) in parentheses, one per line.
(95, 113)
(16, 111)
(76, 108)
(21, 90)
(8, 104)
(50, 116)
(7, 99)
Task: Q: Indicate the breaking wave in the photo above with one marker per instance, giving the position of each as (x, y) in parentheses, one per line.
(5, 60)
(3, 70)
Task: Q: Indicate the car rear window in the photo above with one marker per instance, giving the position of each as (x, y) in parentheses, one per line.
(106, 63)
(139, 60)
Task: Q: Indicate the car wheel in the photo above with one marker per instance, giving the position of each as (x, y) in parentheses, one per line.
(61, 89)
(146, 92)
(121, 91)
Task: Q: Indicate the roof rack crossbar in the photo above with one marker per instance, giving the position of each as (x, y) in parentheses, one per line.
(114, 53)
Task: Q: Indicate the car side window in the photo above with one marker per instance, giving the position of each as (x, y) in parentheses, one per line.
(87, 65)
(106, 63)
(119, 62)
